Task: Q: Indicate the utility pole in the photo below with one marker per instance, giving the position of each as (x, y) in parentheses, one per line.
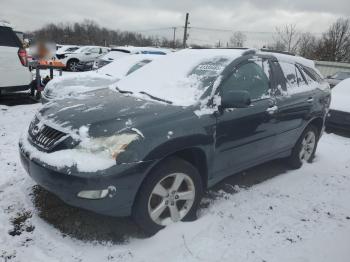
(174, 37)
(185, 30)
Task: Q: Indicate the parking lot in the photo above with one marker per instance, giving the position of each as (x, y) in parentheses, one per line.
(268, 213)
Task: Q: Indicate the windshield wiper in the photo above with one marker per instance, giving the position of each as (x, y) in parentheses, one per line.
(156, 98)
(123, 91)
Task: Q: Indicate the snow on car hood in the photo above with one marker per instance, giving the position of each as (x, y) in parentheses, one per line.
(341, 96)
(72, 85)
(170, 77)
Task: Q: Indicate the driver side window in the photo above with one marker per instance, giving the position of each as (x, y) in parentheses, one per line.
(251, 77)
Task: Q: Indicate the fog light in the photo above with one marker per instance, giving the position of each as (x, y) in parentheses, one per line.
(93, 194)
(110, 191)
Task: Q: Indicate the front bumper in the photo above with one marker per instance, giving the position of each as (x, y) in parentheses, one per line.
(338, 119)
(126, 178)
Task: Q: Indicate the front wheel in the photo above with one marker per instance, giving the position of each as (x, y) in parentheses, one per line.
(171, 193)
(305, 148)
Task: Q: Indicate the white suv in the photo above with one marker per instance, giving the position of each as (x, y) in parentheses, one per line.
(14, 73)
(83, 54)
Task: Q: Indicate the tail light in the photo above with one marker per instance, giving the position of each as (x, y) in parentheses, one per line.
(22, 55)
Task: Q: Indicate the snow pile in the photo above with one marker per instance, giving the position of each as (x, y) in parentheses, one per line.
(341, 96)
(170, 78)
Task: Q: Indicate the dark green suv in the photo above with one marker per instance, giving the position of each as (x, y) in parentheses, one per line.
(149, 145)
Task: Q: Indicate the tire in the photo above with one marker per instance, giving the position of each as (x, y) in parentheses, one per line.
(299, 156)
(72, 65)
(164, 177)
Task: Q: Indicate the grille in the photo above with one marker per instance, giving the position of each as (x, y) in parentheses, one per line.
(44, 136)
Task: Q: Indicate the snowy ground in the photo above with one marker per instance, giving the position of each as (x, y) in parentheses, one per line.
(273, 215)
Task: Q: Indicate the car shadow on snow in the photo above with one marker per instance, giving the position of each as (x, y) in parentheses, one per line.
(88, 226)
(16, 99)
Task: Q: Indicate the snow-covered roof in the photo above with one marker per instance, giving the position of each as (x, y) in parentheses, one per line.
(291, 59)
(135, 49)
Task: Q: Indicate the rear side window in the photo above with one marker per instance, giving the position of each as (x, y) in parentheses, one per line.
(312, 74)
(8, 37)
(290, 73)
(249, 77)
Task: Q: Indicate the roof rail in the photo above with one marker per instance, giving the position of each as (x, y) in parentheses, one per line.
(276, 51)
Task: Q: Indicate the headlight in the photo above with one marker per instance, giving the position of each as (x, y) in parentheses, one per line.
(112, 145)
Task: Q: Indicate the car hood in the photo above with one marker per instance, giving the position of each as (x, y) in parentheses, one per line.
(62, 87)
(104, 112)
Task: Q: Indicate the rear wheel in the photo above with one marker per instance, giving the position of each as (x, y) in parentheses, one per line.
(305, 148)
(171, 193)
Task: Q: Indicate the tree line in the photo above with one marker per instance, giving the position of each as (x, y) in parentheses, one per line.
(90, 33)
(331, 45)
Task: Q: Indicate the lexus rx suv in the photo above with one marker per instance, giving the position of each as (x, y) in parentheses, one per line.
(150, 145)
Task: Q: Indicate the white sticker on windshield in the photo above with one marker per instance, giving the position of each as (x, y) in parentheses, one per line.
(209, 67)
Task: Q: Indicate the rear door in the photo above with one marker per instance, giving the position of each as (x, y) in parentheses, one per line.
(295, 99)
(245, 136)
(12, 72)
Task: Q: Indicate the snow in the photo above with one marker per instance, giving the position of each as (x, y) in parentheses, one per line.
(77, 83)
(182, 82)
(297, 216)
(341, 96)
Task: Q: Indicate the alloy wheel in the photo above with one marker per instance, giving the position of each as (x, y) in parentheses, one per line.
(171, 199)
(307, 146)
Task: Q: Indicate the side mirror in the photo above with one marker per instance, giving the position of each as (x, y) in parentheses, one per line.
(235, 99)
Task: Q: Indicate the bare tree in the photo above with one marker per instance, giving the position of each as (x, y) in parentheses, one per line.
(308, 45)
(335, 43)
(288, 36)
(238, 39)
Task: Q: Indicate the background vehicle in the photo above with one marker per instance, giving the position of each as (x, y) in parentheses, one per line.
(72, 85)
(158, 140)
(335, 79)
(83, 54)
(339, 113)
(118, 52)
(65, 49)
(14, 73)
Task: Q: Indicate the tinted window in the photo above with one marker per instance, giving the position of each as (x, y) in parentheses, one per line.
(312, 74)
(250, 77)
(300, 77)
(8, 37)
(308, 76)
(290, 73)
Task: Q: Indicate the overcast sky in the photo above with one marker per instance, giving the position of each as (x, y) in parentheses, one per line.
(243, 15)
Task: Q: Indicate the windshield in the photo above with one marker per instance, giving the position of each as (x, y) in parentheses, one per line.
(181, 77)
(341, 75)
(121, 67)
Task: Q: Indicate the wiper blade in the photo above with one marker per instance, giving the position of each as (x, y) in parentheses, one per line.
(156, 98)
(123, 91)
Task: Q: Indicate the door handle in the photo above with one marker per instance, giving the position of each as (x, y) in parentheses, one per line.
(310, 99)
(272, 109)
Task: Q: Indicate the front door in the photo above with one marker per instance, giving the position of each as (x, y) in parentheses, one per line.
(245, 136)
